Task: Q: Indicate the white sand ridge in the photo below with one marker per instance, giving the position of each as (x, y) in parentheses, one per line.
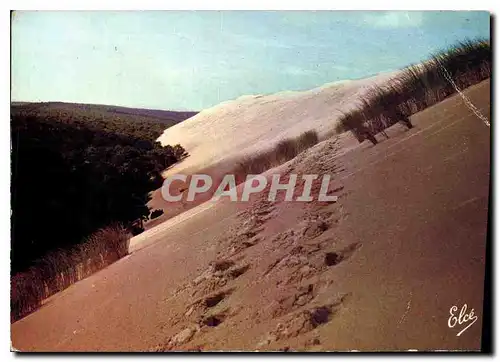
(254, 123)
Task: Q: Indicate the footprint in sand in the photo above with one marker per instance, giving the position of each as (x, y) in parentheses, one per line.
(215, 319)
(303, 321)
(315, 228)
(202, 305)
(333, 258)
(217, 276)
(177, 341)
(245, 235)
(213, 300)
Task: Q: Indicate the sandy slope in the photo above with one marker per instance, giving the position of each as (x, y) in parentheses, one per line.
(377, 270)
(255, 123)
(218, 137)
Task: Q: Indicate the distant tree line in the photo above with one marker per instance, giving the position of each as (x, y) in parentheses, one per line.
(77, 170)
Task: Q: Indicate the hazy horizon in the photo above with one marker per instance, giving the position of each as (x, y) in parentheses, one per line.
(191, 60)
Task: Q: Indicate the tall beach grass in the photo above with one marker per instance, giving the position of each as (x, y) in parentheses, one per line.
(284, 151)
(58, 269)
(418, 87)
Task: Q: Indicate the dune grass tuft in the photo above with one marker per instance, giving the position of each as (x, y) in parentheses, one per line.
(418, 87)
(58, 269)
(284, 151)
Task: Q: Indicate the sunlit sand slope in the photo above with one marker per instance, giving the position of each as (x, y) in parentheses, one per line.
(253, 123)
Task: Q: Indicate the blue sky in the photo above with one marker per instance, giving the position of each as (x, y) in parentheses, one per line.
(193, 60)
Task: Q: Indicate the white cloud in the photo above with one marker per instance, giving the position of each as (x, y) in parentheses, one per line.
(394, 19)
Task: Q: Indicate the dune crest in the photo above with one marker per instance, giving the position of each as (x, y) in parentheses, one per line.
(254, 123)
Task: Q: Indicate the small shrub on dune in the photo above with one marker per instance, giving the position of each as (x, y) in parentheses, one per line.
(307, 140)
(354, 122)
(285, 150)
(253, 165)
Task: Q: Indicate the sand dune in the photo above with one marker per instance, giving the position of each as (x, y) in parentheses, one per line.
(254, 123)
(377, 270)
